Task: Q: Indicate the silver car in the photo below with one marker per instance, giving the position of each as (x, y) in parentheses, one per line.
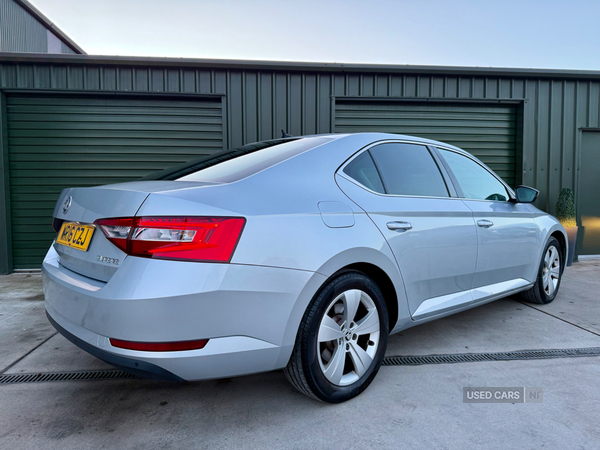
(296, 253)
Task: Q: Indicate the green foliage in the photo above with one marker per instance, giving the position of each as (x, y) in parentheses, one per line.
(565, 208)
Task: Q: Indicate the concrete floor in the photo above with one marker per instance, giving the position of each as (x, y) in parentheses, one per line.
(405, 407)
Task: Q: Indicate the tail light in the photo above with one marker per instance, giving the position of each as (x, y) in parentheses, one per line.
(56, 224)
(180, 238)
(117, 230)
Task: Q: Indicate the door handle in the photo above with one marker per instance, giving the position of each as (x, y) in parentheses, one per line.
(399, 226)
(485, 223)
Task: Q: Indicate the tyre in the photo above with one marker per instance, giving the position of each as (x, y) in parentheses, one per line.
(341, 340)
(549, 275)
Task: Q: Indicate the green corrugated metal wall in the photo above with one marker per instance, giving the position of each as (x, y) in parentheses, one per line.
(59, 142)
(488, 132)
(258, 102)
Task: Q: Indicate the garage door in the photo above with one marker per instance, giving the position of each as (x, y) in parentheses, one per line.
(487, 132)
(59, 142)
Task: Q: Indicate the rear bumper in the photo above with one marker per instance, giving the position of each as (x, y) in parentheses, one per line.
(250, 314)
(134, 366)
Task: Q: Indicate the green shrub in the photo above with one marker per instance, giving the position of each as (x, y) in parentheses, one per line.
(565, 208)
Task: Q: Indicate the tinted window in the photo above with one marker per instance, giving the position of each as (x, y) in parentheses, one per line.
(363, 170)
(475, 181)
(239, 163)
(409, 169)
(204, 161)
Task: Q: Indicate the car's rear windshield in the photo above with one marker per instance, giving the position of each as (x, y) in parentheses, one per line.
(236, 164)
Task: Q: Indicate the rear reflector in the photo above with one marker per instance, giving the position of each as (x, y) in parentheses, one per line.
(179, 238)
(159, 346)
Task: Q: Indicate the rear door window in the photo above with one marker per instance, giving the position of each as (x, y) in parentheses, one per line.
(409, 169)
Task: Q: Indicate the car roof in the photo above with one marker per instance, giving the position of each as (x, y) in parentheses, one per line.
(353, 142)
(376, 136)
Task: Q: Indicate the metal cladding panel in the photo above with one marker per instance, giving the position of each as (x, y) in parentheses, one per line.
(487, 132)
(59, 142)
(259, 101)
(261, 104)
(553, 115)
(64, 48)
(19, 30)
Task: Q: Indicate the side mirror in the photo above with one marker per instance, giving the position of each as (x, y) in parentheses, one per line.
(526, 194)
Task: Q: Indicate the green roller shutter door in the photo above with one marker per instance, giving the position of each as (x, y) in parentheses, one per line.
(59, 142)
(487, 132)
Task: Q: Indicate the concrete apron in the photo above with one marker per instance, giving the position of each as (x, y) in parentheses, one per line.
(405, 407)
(28, 343)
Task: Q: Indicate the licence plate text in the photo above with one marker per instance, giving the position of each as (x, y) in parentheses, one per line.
(75, 235)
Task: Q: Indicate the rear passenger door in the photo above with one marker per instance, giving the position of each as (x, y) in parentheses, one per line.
(430, 230)
(508, 237)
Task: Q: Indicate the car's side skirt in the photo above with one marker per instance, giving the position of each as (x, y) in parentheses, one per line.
(459, 301)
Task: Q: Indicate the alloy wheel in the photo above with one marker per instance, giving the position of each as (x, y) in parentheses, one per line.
(551, 270)
(348, 337)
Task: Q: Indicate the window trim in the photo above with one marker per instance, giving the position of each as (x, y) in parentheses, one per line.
(452, 194)
(453, 179)
(511, 194)
(378, 169)
(446, 173)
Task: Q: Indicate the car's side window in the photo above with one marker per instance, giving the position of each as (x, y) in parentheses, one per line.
(475, 181)
(409, 169)
(362, 169)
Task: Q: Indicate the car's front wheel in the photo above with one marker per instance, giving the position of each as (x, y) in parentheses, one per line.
(341, 341)
(549, 274)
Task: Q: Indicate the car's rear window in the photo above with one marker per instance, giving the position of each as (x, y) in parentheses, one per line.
(236, 164)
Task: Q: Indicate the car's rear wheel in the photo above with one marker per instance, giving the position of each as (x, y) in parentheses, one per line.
(549, 275)
(341, 340)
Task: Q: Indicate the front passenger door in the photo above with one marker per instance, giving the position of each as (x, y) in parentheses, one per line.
(507, 235)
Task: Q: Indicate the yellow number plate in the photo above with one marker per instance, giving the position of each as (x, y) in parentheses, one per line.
(75, 235)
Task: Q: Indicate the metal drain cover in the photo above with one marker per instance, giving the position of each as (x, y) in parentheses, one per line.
(499, 356)
(114, 374)
(111, 374)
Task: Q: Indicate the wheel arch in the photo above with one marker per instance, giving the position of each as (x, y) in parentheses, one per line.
(380, 265)
(384, 282)
(376, 264)
(549, 227)
(560, 237)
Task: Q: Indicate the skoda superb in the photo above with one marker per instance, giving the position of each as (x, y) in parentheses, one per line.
(302, 254)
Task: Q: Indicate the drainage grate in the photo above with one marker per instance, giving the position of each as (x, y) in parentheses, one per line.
(65, 376)
(114, 374)
(500, 356)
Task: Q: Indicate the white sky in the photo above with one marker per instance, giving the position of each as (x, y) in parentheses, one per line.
(499, 33)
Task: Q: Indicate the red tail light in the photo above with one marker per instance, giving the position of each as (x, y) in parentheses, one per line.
(56, 224)
(179, 238)
(117, 231)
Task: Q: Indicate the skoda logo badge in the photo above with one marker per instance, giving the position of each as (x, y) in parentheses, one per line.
(67, 204)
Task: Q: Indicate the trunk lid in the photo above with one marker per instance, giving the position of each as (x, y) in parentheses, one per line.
(85, 205)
